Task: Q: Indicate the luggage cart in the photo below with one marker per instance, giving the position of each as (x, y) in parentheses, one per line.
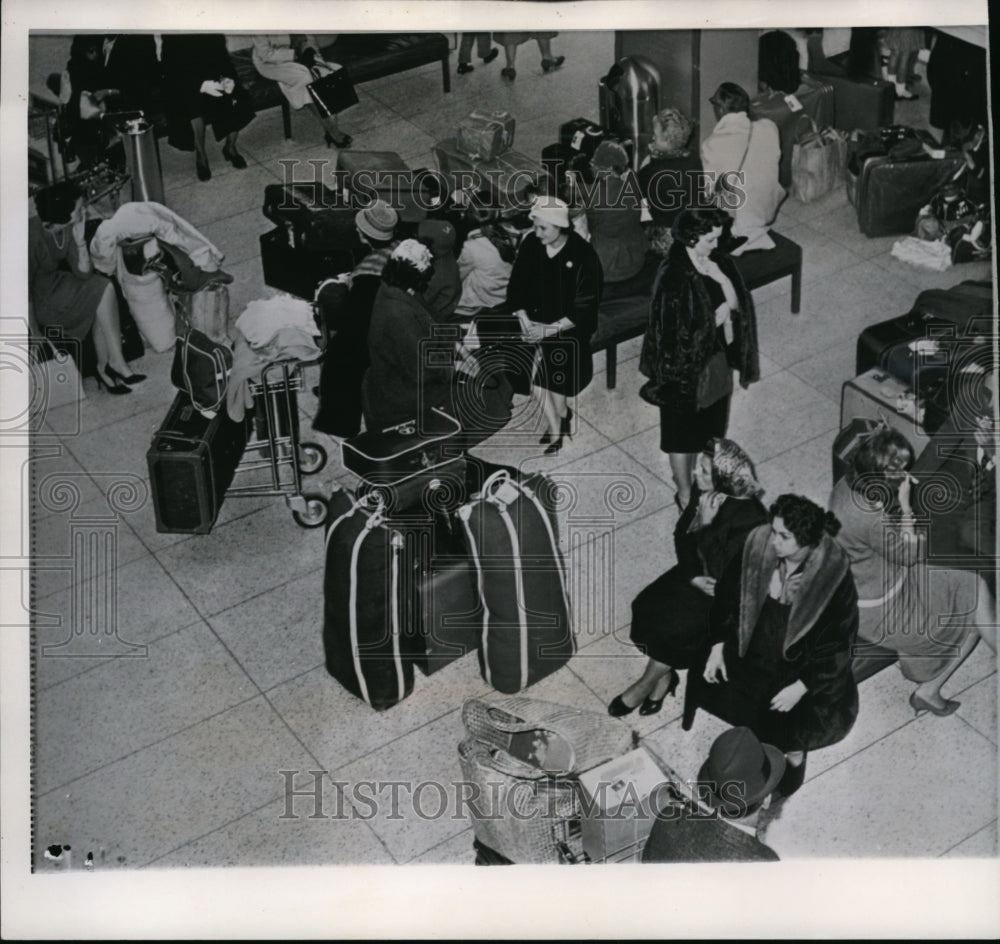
(276, 446)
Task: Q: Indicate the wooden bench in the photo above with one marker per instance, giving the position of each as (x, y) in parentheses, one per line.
(624, 308)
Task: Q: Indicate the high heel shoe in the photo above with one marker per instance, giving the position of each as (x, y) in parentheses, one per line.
(546, 437)
(554, 446)
(792, 779)
(618, 708)
(343, 142)
(204, 171)
(652, 706)
(918, 705)
(130, 379)
(549, 64)
(235, 158)
(508, 73)
(113, 387)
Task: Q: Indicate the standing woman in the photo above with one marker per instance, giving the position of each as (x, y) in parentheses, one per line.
(201, 89)
(555, 289)
(784, 624)
(701, 325)
(290, 65)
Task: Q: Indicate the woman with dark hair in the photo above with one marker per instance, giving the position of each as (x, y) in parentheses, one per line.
(783, 624)
(403, 381)
(555, 290)
(670, 616)
(64, 290)
(201, 88)
(485, 262)
(933, 617)
(700, 312)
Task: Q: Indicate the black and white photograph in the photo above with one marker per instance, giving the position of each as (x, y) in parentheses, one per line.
(550, 434)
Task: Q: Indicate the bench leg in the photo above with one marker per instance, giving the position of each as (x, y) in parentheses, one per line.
(796, 289)
(446, 72)
(611, 362)
(286, 118)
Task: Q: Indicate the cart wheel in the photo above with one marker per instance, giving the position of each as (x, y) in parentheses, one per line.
(315, 514)
(312, 458)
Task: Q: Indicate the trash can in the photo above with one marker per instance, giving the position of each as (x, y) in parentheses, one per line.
(142, 158)
(629, 98)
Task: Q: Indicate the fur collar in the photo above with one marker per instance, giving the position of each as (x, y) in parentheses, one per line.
(823, 571)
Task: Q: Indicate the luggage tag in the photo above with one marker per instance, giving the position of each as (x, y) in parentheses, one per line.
(793, 103)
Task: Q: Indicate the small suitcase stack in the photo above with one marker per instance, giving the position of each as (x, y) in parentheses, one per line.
(191, 463)
(876, 395)
(315, 237)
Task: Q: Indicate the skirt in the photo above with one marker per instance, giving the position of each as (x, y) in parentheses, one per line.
(670, 620)
(566, 365)
(516, 39)
(688, 431)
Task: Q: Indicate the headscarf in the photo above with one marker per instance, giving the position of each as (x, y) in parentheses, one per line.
(733, 476)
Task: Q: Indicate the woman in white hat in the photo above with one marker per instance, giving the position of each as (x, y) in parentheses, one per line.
(555, 291)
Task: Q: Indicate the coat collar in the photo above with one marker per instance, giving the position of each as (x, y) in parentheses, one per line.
(822, 572)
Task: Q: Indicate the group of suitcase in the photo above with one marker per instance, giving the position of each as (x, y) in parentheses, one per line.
(424, 563)
(909, 367)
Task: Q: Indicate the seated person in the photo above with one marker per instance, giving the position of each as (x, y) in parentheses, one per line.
(670, 616)
(347, 304)
(784, 623)
(778, 68)
(960, 461)
(614, 216)
(403, 382)
(485, 262)
(932, 617)
(445, 287)
(64, 290)
(668, 178)
(736, 782)
(741, 159)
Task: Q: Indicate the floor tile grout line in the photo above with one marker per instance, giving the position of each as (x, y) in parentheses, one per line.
(145, 747)
(971, 835)
(972, 727)
(413, 859)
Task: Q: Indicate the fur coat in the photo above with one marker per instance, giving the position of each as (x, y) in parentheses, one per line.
(680, 334)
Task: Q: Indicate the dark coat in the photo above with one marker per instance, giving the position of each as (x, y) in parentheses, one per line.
(697, 838)
(405, 378)
(681, 333)
(822, 629)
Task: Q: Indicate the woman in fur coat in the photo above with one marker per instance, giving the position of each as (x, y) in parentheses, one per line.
(700, 307)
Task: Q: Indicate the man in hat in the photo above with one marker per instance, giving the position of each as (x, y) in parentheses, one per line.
(734, 786)
(445, 288)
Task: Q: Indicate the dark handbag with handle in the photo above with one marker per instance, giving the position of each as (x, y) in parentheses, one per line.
(715, 381)
(333, 92)
(201, 370)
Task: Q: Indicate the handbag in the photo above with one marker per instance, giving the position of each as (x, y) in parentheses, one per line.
(201, 370)
(715, 381)
(819, 162)
(333, 92)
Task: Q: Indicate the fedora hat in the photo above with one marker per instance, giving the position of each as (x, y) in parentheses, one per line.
(377, 221)
(738, 757)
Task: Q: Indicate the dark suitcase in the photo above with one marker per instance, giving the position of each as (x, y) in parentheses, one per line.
(384, 175)
(861, 104)
(333, 93)
(317, 218)
(512, 538)
(581, 136)
(368, 642)
(413, 466)
(889, 191)
(191, 463)
(450, 613)
(815, 99)
(298, 271)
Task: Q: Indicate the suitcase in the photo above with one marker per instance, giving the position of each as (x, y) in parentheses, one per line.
(368, 644)
(191, 463)
(847, 442)
(206, 310)
(511, 536)
(317, 218)
(889, 192)
(861, 104)
(412, 466)
(813, 98)
(384, 175)
(450, 613)
(581, 136)
(300, 271)
(506, 180)
(485, 135)
(875, 395)
(333, 92)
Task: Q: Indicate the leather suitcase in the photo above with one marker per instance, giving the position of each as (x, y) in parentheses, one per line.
(506, 179)
(383, 175)
(816, 100)
(581, 136)
(889, 192)
(450, 612)
(191, 463)
(876, 395)
(512, 539)
(865, 105)
(317, 218)
(368, 639)
(300, 271)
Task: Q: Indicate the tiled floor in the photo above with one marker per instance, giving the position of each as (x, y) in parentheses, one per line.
(176, 757)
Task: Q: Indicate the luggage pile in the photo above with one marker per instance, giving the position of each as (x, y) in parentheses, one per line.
(418, 574)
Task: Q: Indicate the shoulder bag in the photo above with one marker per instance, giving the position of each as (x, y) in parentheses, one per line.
(201, 369)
